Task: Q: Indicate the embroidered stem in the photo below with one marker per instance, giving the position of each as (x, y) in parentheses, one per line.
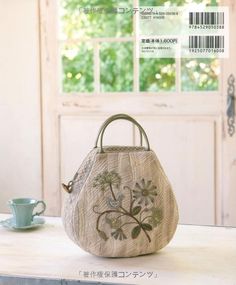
(112, 192)
(143, 192)
(140, 215)
(147, 235)
(125, 213)
(121, 216)
(131, 205)
(138, 222)
(145, 218)
(128, 224)
(103, 213)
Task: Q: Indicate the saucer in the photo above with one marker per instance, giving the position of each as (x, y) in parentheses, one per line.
(37, 221)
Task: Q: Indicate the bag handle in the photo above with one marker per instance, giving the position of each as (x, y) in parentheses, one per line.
(124, 116)
(120, 117)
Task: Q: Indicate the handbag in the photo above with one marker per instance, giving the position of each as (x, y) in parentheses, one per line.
(120, 202)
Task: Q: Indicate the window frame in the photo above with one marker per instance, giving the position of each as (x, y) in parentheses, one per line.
(136, 70)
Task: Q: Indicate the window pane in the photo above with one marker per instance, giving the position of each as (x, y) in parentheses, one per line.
(116, 67)
(95, 18)
(77, 66)
(157, 74)
(200, 74)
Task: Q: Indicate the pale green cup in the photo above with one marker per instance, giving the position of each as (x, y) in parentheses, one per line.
(22, 210)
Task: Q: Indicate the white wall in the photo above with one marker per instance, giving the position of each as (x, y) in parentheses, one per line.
(20, 148)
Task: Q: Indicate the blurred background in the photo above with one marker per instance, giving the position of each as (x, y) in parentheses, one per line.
(64, 68)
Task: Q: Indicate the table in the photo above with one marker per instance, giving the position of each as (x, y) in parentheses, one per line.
(196, 255)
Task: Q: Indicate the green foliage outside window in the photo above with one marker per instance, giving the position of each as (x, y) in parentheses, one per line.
(77, 62)
(116, 59)
(116, 67)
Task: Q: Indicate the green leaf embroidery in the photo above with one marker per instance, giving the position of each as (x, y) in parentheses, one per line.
(136, 231)
(136, 210)
(117, 216)
(146, 227)
(103, 235)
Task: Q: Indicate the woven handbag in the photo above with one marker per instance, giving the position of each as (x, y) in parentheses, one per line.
(120, 202)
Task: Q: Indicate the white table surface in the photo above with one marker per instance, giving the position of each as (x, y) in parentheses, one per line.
(196, 255)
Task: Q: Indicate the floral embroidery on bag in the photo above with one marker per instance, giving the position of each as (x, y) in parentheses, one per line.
(143, 216)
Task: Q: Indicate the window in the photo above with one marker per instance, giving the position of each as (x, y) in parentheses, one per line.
(98, 53)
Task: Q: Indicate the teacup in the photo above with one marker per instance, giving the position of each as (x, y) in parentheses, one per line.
(22, 210)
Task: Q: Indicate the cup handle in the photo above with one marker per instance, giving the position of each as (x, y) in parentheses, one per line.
(44, 208)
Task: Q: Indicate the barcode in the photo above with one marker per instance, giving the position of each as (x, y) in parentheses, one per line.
(206, 42)
(206, 18)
